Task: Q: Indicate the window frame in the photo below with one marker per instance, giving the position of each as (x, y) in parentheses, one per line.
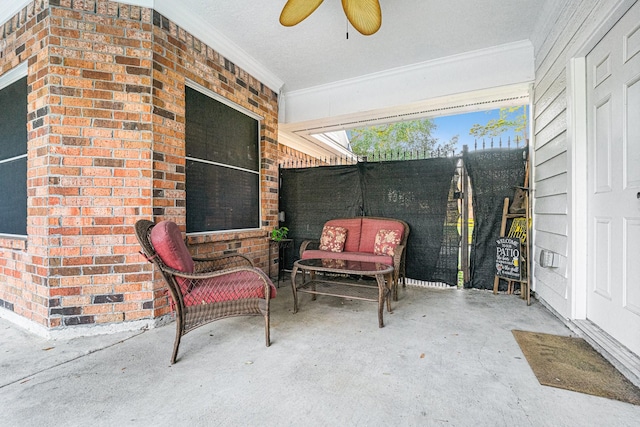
(216, 97)
(14, 75)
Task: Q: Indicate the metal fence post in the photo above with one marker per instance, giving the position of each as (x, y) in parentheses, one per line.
(464, 226)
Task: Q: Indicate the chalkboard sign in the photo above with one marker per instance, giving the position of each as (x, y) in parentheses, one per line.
(508, 259)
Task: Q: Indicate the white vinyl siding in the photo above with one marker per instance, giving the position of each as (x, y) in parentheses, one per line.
(562, 32)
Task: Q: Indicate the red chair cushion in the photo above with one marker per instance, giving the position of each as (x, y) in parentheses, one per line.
(228, 287)
(166, 239)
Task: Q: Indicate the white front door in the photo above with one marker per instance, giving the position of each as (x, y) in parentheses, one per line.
(613, 102)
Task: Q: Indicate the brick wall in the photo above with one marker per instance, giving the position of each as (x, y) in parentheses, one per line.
(23, 262)
(106, 148)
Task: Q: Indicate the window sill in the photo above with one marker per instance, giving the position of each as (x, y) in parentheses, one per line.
(225, 236)
(13, 242)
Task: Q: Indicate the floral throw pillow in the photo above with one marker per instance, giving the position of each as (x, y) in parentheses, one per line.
(333, 238)
(386, 242)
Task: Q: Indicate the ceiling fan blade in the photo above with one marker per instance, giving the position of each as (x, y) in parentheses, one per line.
(295, 11)
(364, 15)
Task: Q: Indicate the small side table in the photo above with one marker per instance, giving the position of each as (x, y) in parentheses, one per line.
(283, 245)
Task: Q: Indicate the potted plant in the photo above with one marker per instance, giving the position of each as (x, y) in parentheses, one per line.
(279, 233)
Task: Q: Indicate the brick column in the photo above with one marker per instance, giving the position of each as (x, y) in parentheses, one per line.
(98, 161)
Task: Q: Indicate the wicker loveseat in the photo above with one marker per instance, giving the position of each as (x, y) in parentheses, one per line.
(371, 239)
(204, 290)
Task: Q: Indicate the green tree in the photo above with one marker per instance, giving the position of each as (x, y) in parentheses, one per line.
(511, 118)
(408, 136)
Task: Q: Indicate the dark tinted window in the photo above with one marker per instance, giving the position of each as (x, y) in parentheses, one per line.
(13, 158)
(222, 168)
(219, 133)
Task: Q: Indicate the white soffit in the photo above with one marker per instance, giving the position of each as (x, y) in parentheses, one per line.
(493, 67)
(481, 100)
(302, 136)
(312, 146)
(481, 80)
(142, 3)
(8, 9)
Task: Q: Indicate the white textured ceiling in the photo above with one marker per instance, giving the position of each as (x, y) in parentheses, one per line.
(317, 51)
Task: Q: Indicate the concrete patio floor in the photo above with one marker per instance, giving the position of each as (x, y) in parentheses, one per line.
(444, 358)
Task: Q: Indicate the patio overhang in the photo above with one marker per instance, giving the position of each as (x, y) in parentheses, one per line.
(305, 136)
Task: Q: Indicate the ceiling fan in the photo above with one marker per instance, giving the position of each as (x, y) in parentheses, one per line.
(364, 15)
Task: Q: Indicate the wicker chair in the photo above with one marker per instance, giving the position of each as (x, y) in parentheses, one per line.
(204, 290)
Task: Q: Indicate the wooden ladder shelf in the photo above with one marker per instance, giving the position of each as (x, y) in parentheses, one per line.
(525, 259)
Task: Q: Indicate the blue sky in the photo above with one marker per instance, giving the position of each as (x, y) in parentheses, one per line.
(449, 126)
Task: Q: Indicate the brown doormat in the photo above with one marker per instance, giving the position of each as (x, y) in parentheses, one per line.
(572, 364)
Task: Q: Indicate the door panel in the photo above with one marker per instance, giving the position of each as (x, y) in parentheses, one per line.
(613, 102)
(632, 134)
(632, 268)
(632, 42)
(603, 148)
(602, 282)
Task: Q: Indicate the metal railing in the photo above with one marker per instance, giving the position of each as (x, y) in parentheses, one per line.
(398, 155)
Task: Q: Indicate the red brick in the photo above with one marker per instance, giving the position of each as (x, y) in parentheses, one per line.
(93, 174)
